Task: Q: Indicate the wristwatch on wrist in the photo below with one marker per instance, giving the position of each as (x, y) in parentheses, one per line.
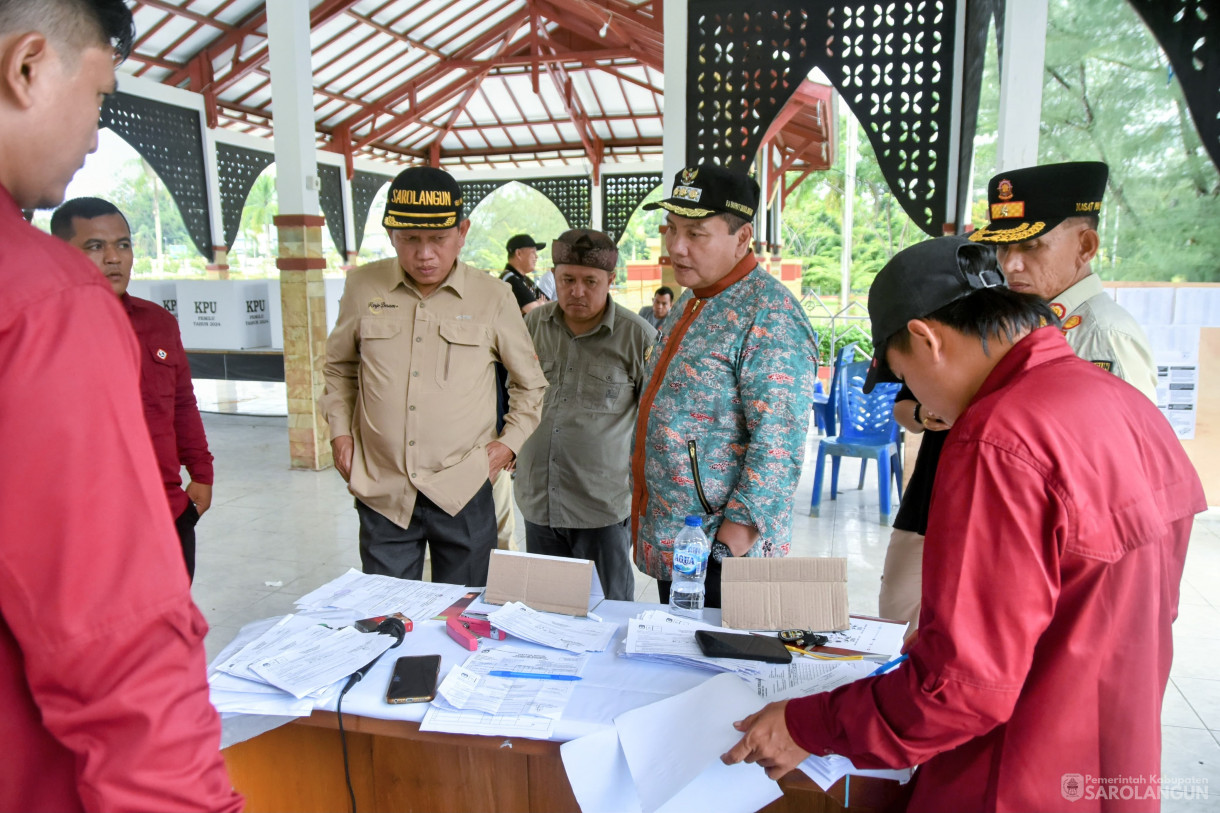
(918, 419)
(720, 550)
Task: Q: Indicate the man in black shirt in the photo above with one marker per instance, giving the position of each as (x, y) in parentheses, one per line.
(522, 260)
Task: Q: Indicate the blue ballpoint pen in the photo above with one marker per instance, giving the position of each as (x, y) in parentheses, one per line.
(536, 675)
(880, 670)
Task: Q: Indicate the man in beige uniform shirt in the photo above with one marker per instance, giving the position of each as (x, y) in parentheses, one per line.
(411, 390)
(1044, 226)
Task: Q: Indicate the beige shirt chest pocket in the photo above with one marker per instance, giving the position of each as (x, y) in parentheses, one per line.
(604, 388)
(465, 351)
(379, 344)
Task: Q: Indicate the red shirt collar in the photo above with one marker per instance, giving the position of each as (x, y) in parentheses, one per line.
(1040, 346)
(745, 266)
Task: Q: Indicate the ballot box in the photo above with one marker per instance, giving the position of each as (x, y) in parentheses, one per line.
(224, 314)
(275, 308)
(163, 292)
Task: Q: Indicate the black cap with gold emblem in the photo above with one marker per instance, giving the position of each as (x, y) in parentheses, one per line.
(423, 198)
(1025, 203)
(708, 190)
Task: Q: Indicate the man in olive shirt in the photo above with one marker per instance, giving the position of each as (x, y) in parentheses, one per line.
(573, 473)
(411, 390)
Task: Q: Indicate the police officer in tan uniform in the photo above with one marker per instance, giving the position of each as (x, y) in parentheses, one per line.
(411, 390)
(1044, 226)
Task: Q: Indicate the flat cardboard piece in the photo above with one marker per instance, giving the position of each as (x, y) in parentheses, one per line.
(788, 593)
(552, 584)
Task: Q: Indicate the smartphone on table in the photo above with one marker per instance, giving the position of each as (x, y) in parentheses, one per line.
(414, 679)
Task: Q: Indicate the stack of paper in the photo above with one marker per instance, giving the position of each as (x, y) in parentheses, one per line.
(659, 636)
(874, 638)
(381, 595)
(288, 669)
(473, 701)
(549, 629)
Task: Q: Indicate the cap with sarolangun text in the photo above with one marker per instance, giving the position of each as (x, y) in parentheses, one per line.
(708, 189)
(423, 198)
(1025, 203)
(919, 281)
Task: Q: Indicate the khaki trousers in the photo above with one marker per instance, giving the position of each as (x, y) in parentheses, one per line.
(506, 518)
(902, 578)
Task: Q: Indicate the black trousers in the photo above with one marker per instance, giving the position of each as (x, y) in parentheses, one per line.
(711, 585)
(609, 547)
(185, 524)
(460, 545)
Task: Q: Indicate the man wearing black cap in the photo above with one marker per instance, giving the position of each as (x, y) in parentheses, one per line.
(722, 423)
(411, 390)
(572, 479)
(1052, 568)
(522, 260)
(1044, 226)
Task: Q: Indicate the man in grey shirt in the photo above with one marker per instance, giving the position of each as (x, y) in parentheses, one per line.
(662, 301)
(573, 473)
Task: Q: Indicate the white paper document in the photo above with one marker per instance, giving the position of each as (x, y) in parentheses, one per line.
(869, 636)
(319, 656)
(550, 629)
(805, 676)
(673, 749)
(659, 636)
(472, 701)
(381, 595)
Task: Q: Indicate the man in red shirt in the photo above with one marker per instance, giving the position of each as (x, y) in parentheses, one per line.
(102, 667)
(1059, 521)
(99, 229)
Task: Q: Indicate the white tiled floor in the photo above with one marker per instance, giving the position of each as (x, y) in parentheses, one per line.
(273, 534)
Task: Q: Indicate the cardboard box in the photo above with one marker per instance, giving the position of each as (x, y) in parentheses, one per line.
(552, 584)
(787, 593)
(224, 314)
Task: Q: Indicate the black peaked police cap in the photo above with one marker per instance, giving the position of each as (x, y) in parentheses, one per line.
(1025, 203)
(423, 198)
(706, 190)
(919, 281)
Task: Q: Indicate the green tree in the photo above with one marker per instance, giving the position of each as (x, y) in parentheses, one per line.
(512, 209)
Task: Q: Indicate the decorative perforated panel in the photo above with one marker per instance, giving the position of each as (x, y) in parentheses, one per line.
(473, 193)
(621, 196)
(892, 61)
(330, 198)
(365, 186)
(171, 141)
(1189, 31)
(238, 168)
(570, 195)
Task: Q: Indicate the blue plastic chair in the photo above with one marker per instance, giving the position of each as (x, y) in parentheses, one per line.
(825, 405)
(867, 431)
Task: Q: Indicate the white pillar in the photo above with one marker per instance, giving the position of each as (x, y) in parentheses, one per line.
(763, 175)
(296, 161)
(674, 133)
(849, 198)
(349, 221)
(953, 176)
(212, 175)
(1021, 70)
(597, 214)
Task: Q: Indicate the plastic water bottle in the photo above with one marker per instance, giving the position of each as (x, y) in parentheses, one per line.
(691, 549)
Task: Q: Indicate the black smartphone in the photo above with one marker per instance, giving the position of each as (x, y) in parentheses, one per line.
(414, 679)
(716, 644)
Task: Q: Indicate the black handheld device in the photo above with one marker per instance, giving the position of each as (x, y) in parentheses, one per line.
(414, 679)
(716, 644)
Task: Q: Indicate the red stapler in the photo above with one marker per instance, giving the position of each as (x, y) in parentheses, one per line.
(468, 629)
